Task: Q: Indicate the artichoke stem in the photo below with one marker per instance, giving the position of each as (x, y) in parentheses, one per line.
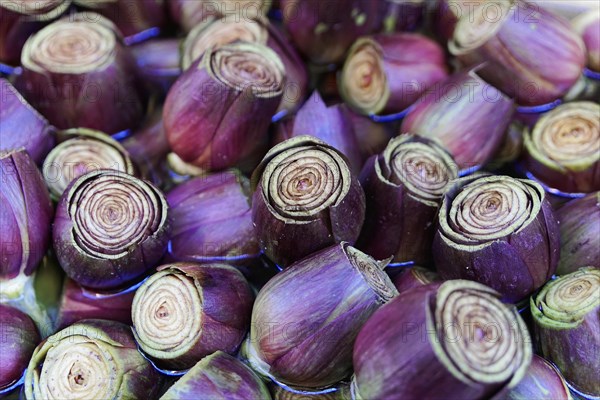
(20, 293)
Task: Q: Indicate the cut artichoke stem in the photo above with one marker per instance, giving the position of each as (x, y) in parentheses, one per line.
(302, 177)
(563, 303)
(161, 315)
(87, 369)
(243, 66)
(304, 188)
(85, 151)
(506, 221)
(247, 80)
(404, 187)
(494, 40)
(71, 47)
(458, 331)
(213, 33)
(107, 226)
(217, 296)
(567, 137)
(363, 79)
(77, 72)
(423, 168)
(565, 315)
(372, 272)
(476, 28)
(387, 73)
(305, 181)
(110, 229)
(563, 149)
(93, 358)
(490, 327)
(490, 208)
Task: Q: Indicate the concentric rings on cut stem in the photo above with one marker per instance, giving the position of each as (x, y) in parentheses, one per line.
(373, 273)
(167, 314)
(566, 314)
(491, 208)
(569, 298)
(80, 155)
(215, 33)
(78, 369)
(245, 66)
(477, 27)
(482, 338)
(364, 83)
(304, 181)
(112, 212)
(568, 136)
(70, 47)
(424, 169)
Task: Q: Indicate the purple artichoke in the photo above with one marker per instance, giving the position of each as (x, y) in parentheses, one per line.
(305, 199)
(566, 315)
(457, 331)
(498, 231)
(306, 339)
(465, 115)
(18, 340)
(211, 219)
(26, 216)
(22, 126)
(187, 311)
(93, 358)
(110, 229)
(387, 73)
(218, 376)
